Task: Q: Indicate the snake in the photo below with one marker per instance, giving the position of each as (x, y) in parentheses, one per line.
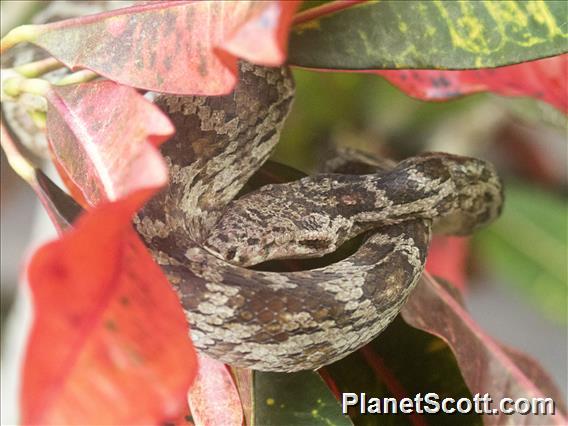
(212, 239)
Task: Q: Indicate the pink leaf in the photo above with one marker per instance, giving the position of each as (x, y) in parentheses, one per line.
(486, 366)
(104, 136)
(184, 47)
(213, 398)
(545, 79)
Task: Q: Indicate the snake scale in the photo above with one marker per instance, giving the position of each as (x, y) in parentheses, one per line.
(206, 238)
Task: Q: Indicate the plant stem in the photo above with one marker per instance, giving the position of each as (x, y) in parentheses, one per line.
(82, 76)
(38, 68)
(14, 86)
(21, 165)
(17, 35)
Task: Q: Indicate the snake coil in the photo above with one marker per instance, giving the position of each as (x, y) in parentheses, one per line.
(205, 238)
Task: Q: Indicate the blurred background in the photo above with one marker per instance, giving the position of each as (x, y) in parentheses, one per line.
(516, 269)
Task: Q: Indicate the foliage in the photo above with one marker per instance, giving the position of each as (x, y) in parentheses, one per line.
(436, 34)
(124, 328)
(533, 258)
(104, 323)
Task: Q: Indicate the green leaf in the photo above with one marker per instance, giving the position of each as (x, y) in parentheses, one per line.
(295, 399)
(527, 246)
(431, 34)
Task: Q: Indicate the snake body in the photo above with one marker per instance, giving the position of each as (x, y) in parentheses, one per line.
(205, 238)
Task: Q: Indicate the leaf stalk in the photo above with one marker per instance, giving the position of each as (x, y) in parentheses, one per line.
(18, 35)
(39, 68)
(82, 76)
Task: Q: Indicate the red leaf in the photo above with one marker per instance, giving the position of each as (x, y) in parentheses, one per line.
(185, 47)
(447, 259)
(104, 136)
(264, 39)
(213, 398)
(109, 341)
(486, 366)
(545, 79)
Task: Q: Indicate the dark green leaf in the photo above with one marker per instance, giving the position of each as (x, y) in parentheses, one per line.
(431, 34)
(295, 399)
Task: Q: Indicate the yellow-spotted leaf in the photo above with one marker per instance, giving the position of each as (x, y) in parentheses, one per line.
(429, 34)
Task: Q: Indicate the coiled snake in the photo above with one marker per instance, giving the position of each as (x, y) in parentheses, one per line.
(204, 239)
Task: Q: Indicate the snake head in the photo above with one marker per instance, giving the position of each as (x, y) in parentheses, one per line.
(473, 195)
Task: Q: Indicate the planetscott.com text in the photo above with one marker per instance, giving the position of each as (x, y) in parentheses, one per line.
(432, 403)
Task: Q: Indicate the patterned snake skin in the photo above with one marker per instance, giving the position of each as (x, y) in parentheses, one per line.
(204, 238)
